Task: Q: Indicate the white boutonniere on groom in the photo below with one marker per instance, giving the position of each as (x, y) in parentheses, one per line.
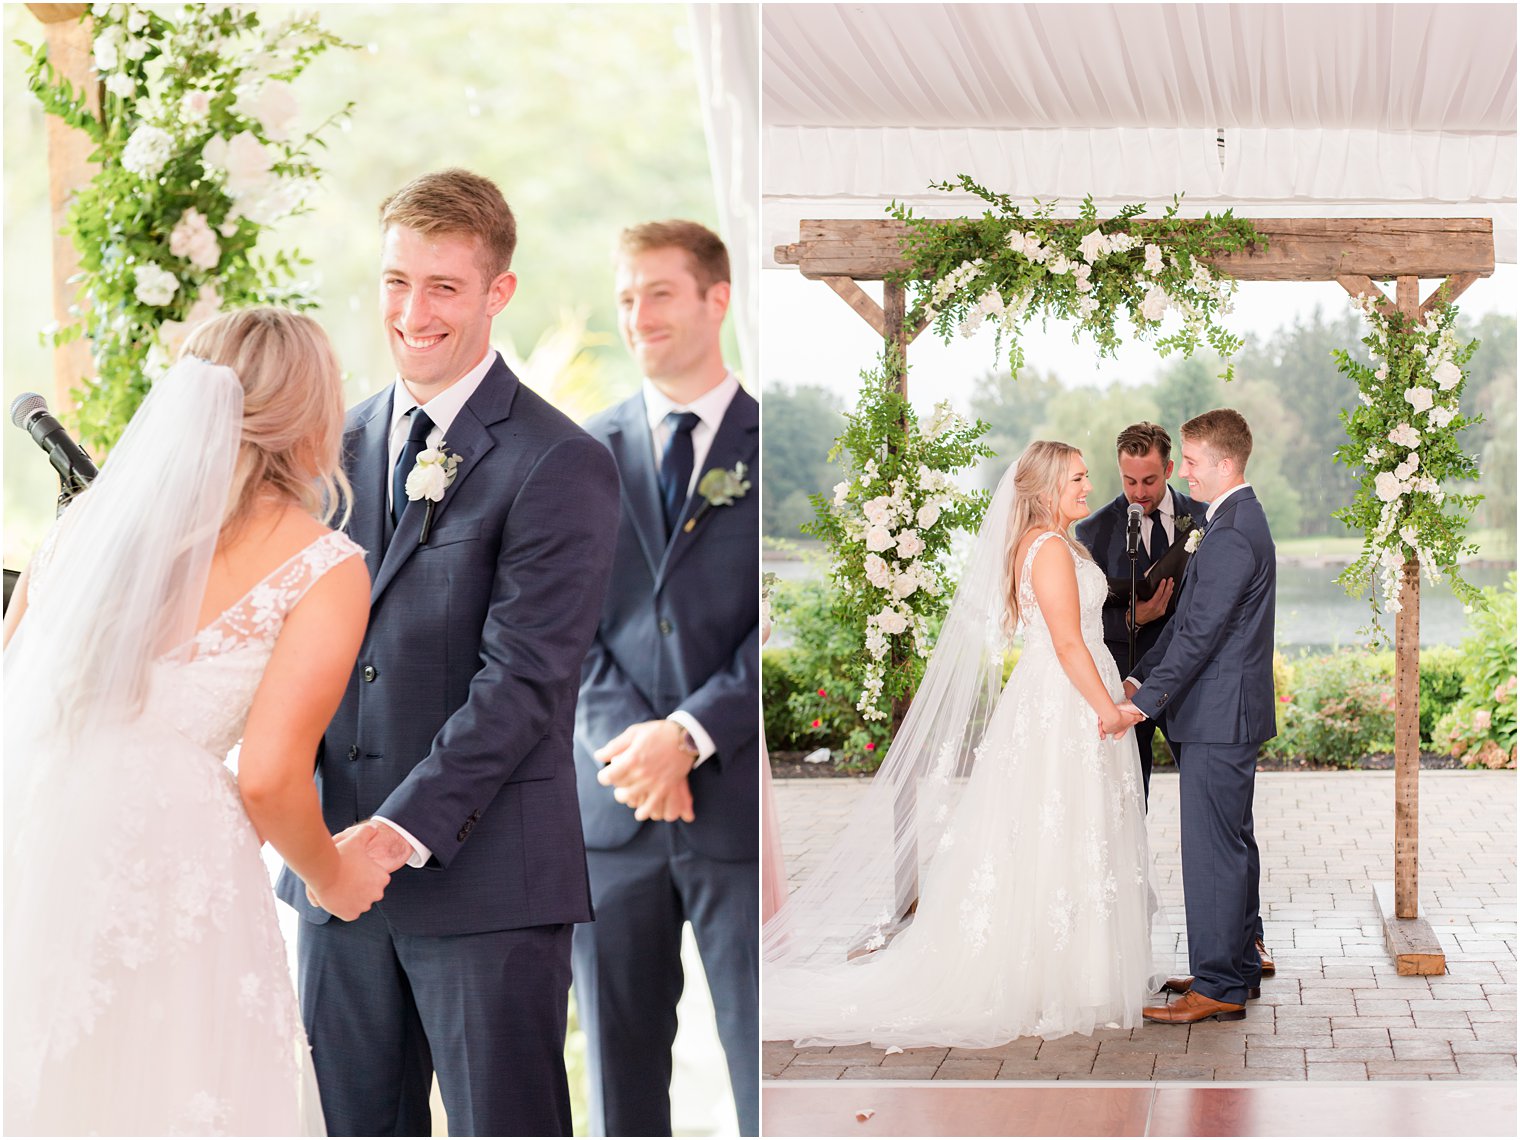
(1195, 536)
(719, 488)
(429, 479)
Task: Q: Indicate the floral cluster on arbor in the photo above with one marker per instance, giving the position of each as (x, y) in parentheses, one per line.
(200, 151)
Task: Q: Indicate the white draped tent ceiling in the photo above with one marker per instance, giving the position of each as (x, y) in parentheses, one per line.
(1274, 110)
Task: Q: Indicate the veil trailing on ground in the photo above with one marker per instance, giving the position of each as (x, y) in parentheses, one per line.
(117, 587)
(864, 887)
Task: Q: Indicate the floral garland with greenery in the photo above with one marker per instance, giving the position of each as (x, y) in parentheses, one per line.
(1006, 266)
(199, 154)
(1402, 436)
(889, 527)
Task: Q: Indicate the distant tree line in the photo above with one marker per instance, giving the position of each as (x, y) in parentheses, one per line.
(1286, 386)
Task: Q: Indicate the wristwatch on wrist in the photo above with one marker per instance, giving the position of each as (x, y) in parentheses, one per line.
(687, 742)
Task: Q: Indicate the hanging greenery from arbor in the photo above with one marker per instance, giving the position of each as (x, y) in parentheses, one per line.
(1402, 439)
(199, 154)
(1008, 265)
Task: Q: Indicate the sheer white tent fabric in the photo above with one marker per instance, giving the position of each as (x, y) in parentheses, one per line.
(1275, 110)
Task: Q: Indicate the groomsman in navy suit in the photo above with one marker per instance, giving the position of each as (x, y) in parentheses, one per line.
(1145, 465)
(667, 727)
(1211, 672)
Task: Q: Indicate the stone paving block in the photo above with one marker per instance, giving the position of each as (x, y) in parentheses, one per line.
(984, 1070)
(811, 1073)
(1373, 1021)
(1485, 1045)
(1428, 1019)
(1353, 1038)
(1454, 991)
(1278, 1057)
(1158, 1043)
(1337, 1071)
(877, 1073)
(1422, 1050)
(910, 1057)
(1237, 1073)
(828, 1059)
(1181, 1068)
(1350, 1053)
(1021, 1048)
(1415, 1068)
(1491, 1066)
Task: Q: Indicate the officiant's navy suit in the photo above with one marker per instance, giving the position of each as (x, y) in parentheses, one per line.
(1102, 532)
(457, 726)
(679, 631)
(1210, 672)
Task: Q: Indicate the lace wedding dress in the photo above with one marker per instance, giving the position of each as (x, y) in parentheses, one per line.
(147, 984)
(1034, 908)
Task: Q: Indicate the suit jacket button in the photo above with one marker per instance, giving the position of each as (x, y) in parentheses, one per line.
(665, 626)
(464, 833)
(369, 673)
(353, 752)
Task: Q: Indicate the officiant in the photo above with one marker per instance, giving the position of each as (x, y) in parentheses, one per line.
(1168, 517)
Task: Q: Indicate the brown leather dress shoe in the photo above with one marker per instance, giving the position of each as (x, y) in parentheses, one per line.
(1193, 1006)
(1267, 965)
(1183, 984)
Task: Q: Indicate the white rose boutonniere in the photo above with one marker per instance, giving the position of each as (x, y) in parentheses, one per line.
(1195, 536)
(429, 479)
(718, 488)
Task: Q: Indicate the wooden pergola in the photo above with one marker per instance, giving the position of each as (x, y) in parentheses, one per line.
(1357, 253)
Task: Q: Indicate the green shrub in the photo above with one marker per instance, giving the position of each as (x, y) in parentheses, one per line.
(1480, 729)
(1338, 709)
(1440, 686)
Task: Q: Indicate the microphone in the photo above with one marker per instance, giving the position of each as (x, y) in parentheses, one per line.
(75, 468)
(1132, 530)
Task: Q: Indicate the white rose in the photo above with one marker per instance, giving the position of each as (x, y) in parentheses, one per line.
(1409, 534)
(105, 49)
(155, 286)
(121, 84)
(273, 106)
(1034, 250)
(1121, 243)
(890, 621)
(192, 238)
(841, 494)
(426, 481)
(134, 48)
(1094, 246)
(1016, 241)
(1381, 373)
(1446, 375)
(137, 20)
(147, 151)
(243, 158)
(878, 511)
(1442, 415)
(904, 585)
(1086, 306)
(878, 538)
(1059, 264)
(1405, 436)
(877, 572)
(1410, 465)
(1373, 455)
(1388, 486)
(1420, 399)
(909, 544)
(1153, 263)
(928, 515)
(194, 106)
(1082, 275)
(1154, 306)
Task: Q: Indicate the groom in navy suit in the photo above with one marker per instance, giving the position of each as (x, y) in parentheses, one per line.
(1145, 465)
(667, 728)
(453, 741)
(1211, 673)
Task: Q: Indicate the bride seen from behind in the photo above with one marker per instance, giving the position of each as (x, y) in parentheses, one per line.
(992, 882)
(192, 597)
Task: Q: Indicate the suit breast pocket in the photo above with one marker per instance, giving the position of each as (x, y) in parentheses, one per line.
(449, 533)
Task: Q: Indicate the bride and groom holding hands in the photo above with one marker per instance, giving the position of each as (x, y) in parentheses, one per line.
(1033, 914)
(457, 660)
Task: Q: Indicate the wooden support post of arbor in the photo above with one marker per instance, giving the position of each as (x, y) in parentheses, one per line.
(69, 167)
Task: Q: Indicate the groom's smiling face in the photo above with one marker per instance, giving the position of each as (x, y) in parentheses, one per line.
(437, 299)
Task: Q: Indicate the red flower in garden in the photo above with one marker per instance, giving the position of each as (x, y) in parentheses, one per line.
(870, 746)
(1284, 699)
(816, 723)
(821, 693)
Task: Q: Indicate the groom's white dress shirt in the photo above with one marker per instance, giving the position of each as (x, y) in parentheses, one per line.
(442, 409)
(710, 408)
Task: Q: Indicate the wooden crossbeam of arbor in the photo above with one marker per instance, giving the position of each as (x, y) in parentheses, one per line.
(1357, 253)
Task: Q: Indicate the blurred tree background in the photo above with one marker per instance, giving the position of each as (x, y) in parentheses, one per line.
(1286, 385)
(587, 115)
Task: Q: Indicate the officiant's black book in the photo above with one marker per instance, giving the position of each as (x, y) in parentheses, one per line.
(1169, 565)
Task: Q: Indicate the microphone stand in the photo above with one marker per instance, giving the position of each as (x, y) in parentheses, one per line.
(1133, 555)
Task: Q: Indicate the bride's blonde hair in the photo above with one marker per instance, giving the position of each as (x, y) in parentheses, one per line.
(1038, 479)
(292, 431)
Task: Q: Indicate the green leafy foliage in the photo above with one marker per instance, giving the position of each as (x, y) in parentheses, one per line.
(1481, 726)
(1007, 264)
(197, 159)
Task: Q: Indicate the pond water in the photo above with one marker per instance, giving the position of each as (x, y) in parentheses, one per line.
(1314, 615)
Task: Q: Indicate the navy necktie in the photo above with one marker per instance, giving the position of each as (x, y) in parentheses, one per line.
(416, 443)
(675, 466)
(1160, 544)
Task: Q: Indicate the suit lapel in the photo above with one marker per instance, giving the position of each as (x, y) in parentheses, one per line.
(367, 448)
(632, 446)
(736, 441)
(470, 439)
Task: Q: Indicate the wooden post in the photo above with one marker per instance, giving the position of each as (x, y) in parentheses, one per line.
(69, 42)
(1406, 746)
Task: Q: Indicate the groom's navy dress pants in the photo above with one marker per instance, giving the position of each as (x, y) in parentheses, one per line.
(487, 1011)
(1221, 870)
(628, 975)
